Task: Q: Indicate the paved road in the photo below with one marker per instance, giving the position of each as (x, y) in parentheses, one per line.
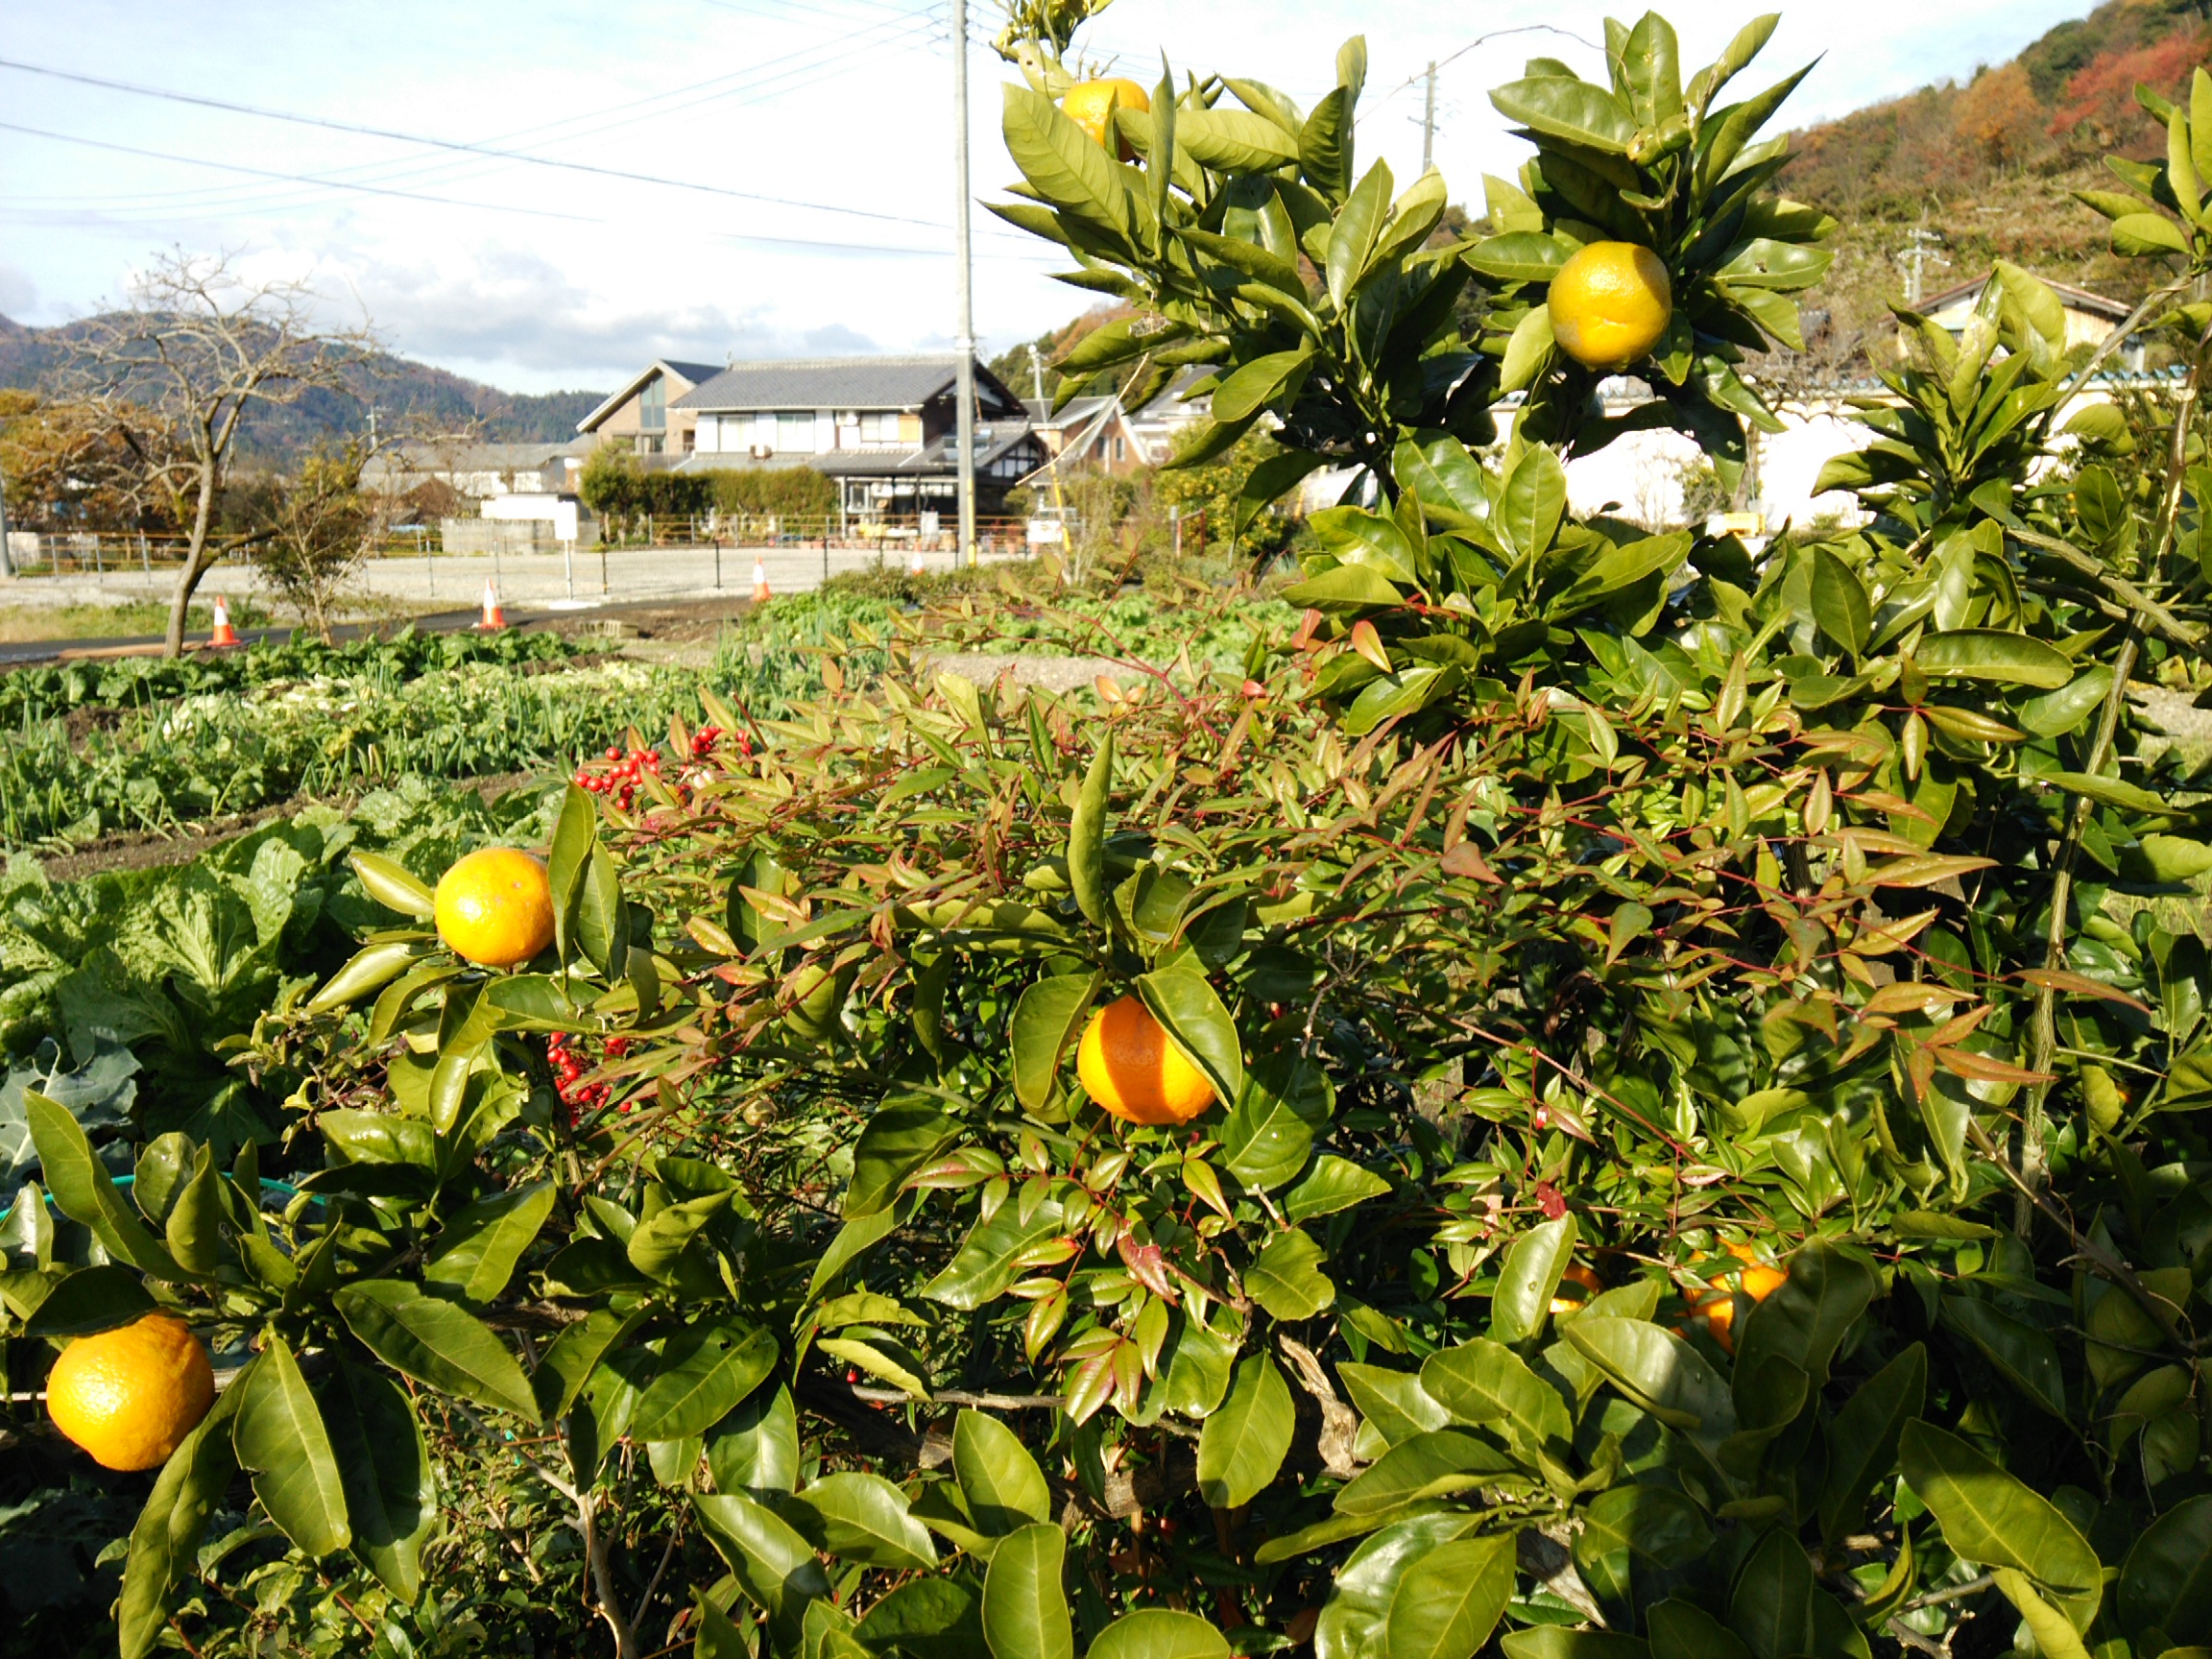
(542, 579)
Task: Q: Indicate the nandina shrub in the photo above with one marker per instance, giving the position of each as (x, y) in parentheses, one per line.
(1707, 1044)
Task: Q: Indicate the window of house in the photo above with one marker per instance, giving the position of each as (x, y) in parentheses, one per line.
(1120, 449)
(653, 404)
(795, 430)
(650, 443)
(878, 428)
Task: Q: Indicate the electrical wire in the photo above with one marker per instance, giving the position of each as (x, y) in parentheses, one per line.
(475, 207)
(479, 150)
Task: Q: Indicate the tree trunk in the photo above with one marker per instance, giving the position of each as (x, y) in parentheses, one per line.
(195, 567)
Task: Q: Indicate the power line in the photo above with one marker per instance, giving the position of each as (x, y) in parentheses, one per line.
(443, 171)
(455, 202)
(481, 149)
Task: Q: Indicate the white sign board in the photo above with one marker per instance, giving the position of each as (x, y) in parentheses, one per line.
(565, 522)
(1046, 532)
(928, 523)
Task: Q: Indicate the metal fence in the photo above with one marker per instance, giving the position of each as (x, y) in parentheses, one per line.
(105, 553)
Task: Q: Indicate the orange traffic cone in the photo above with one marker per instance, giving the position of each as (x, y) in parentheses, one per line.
(495, 616)
(914, 564)
(760, 593)
(225, 634)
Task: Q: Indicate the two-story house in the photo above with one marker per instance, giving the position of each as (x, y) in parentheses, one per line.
(645, 415)
(884, 428)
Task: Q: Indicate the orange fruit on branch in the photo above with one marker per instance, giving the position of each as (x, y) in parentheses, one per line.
(1091, 106)
(130, 1396)
(496, 907)
(1610, 304)
(1578, 1284)
(1134, 1070)
(1719, 1310)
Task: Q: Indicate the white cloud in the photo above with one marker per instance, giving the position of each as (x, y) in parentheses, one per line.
(535, 279)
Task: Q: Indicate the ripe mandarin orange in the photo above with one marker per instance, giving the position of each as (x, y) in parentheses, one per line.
(496, 907)
(1610, 304)
(1134, 1072)
(1576, 1278)
(1091, 106)
(1719, 1310)
(130, 1396)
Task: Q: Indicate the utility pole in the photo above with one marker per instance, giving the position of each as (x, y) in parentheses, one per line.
(1428, 122)
(1916, 255)
(7, 560)
(965, 260)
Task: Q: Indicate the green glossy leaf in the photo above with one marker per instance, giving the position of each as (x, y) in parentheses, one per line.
(1485, 1382)
(1263, 383)
(1199, 1024)
(1395, 1403)
(2054, 1637)
(1440, 1463)
(864, 1519)
(394, 886)
(1657, 1370)
(775, 1568)
(280, 1439)
(477, 1252)
(1158, 1633)
(984, 1266)
(1270, 1135)
(1064, 166)
(1533, 502)
(2167, 1581)
(83, 1190)
(1355, 1620)
(1771, 1605)
(2023, 1354)
(1449, 1599)
(90, 1300)
(1992, 653)
(165, 1540)
(1004, 1488)
(928, 1619)
(572, 1356)
(436, 1342)
(391, 1500)
(1658, 1524)
(1684, 1630)
(1556, 107)
(1345, 588)
(755, 1447)
(1839, 601)
(702, 1375)
(1863, 1440)
(1529, 1279)
(896, 1140)
(1087, 837)
(1045, 1020)
(1287, 1279)
(1991, 1517)
(1024, 1608)
(1332, 1184)
(1808, 1315)
(1243, 1445)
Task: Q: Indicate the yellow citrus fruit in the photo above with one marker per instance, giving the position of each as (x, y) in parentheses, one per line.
(1577, 1285)
(1091, 106)
(1134, 1072)
(1719, 1311)
(1610, 304)
(496, 907)
(130, 1396)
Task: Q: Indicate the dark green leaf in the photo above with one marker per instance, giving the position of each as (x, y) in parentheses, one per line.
(89, 1300)
(1046, 1019)
(280, 1439)
(1004, 1488)
(165, 1540)
(1243, 1445)
(755, 1447)
(1530, 1278)
(702, 1375)
(864, 1519)
(1287, 1279)
(477, 1252)
(391, 1502)
(436, 1342)
(1450, 1598)
(1991, 1517)
(1024, 1608)
(1863, 1440)
(2167, 1582)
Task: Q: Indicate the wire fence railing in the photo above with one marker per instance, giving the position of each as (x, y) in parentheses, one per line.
(114, 553)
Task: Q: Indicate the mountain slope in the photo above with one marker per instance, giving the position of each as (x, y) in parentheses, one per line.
(1984, 166)
(399, 387)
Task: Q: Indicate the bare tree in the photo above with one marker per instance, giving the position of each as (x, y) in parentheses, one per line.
(182, 368)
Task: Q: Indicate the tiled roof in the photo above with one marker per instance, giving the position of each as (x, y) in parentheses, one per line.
(833, 383)
(932, 460)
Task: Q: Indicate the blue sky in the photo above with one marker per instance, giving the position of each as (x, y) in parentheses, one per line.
(534, 277)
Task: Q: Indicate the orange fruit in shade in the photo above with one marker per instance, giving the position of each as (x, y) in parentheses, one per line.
(1719, 1310)
(1576, 1278)
(130, 1396)
(1610, 304)
(1134, 1070)
(496, 907)
(1091, 106)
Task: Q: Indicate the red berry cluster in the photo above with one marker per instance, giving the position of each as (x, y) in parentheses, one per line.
(571, 1062)
(619, 777)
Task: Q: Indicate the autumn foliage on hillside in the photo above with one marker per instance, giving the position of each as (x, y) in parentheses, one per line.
(2065, 100)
